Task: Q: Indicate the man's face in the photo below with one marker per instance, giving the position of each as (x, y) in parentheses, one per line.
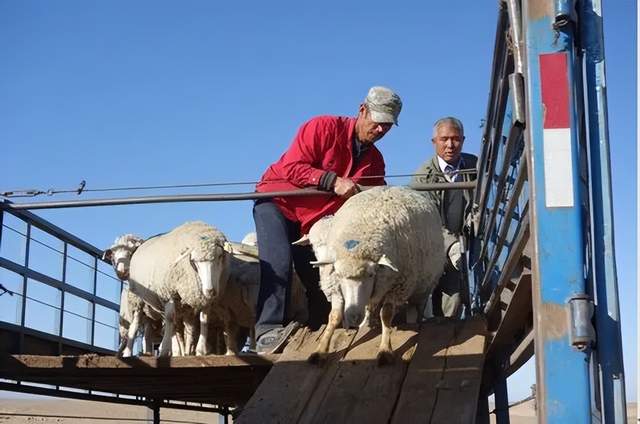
(367, 130)
(448, 143)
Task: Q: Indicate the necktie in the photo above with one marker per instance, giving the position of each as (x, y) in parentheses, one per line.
(450, 172)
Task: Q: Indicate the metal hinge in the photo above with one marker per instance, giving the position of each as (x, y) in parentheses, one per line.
(583, 335)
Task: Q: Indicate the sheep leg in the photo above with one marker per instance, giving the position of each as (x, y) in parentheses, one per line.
(230, 337)
(147, 334)
(252, 338)
(131, 334)
(202, 348)
(176, 346)
(189, 333)
(335, 317)
(169, 317)
(385, 352)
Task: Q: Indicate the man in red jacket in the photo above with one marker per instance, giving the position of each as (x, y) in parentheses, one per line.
(331, 153)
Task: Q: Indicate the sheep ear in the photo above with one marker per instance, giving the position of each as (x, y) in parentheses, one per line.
(183, 255)
(228, 247)
(135, 243)
(385, 261)
(107, 256)
(302, 241)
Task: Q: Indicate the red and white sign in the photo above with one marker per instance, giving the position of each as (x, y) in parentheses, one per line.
(558, 163)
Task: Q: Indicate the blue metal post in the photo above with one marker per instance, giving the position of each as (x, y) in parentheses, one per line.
(609, 348)
(563, 394)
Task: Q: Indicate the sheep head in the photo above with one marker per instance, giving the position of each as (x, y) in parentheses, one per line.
(211, 260)
(119, 254)
(356, 278)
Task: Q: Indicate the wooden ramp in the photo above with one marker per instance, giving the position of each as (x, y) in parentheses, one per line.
(435, 378)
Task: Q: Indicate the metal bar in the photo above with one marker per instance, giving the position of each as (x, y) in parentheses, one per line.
(1, 227)
(514, 137)
(50, 228)
(502, 400)
(178, 198)
(156, 413)
(29, 273)
(519, 244)
(495, 140)
(515, 18)
(504, 226)
(24, 289)
(607, 311)
(496, 66)
(93, 304)
(54, 339)
(522, 353)
(64, 281)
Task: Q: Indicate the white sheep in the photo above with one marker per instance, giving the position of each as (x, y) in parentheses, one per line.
(135, 314)
(238, 302)
(233, 305)
(186, 268)
(382, 247)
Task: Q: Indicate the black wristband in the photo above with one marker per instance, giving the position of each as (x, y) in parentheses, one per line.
(327, 181)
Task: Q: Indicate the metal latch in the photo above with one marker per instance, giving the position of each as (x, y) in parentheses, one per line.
(583, 335)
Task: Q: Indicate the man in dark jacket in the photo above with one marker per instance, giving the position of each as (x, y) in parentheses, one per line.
(449, 165)
(331, 153)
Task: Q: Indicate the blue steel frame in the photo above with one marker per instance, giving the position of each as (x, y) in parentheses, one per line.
(562, 267)
(605, 284)
(562, 371)
(571, 248)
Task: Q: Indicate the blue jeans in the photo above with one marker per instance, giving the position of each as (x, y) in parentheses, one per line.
(277, 257)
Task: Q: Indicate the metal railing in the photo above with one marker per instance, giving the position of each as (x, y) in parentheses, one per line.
(55, 295)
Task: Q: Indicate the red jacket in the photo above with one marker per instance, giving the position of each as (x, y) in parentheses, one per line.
(322, 144)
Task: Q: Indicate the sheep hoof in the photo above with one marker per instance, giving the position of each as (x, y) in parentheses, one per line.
(317, 358)
(385, 358)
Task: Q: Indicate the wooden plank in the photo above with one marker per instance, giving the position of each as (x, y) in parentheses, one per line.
(418, 393)
(226, 380)
(286, 390)
(459, 387)
(362, 391)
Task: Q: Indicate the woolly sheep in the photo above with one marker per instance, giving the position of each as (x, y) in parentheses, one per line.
(382, 247)
(135, 314)
(238, 302)
(185, 268)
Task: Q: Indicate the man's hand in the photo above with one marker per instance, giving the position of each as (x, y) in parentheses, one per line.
(455, 255)
(344, 187)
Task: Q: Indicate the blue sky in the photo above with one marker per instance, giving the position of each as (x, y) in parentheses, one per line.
(156, 92)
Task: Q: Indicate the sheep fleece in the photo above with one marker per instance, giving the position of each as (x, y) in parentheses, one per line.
(153, 264)
(399, 223)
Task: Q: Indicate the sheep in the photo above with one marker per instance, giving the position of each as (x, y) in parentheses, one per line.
(120, 252)
(234, 303)
(134, 313)
(240, 298)
(250, 239)
(186, 269)
(382, 247)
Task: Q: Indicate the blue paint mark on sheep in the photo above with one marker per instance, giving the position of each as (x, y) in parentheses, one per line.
(351, 244)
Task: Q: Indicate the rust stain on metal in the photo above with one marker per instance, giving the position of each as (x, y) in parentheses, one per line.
(555, 320)
(539, 9)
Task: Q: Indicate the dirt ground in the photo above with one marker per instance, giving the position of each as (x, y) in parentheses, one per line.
(67, 411)
(525, 413)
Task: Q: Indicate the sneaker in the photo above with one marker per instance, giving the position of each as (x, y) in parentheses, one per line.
(275, 339)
